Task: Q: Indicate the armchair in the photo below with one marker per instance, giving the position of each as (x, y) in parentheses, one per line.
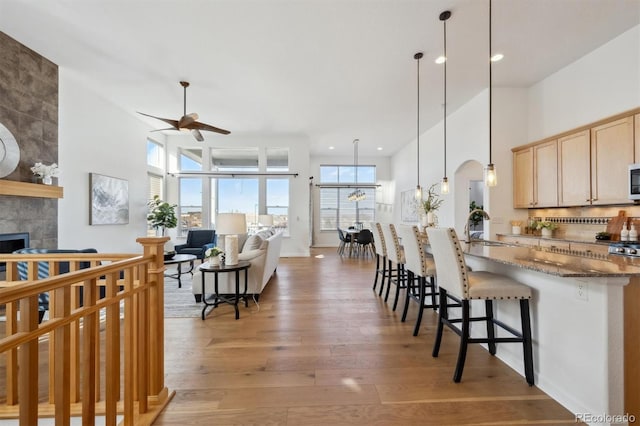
(198, 241)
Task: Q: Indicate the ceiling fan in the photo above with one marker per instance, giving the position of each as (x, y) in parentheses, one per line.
(188, 121)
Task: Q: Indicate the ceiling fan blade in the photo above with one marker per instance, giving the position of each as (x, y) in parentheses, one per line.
(169, 121)
(162, 130)
(196, 134)
(207, 127)
(188, 119)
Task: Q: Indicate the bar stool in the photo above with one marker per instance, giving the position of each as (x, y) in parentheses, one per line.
(460, 285)
(381, 254)
(421, 271)
(395, 254)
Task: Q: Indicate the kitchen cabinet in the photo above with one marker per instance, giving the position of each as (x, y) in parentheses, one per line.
(521, 240)
(612, 150)
(637, 137)
(535, 176)
(574, 156)
(554, 244)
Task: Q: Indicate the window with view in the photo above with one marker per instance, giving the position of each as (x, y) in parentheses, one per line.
(190, 205)
(336, 210)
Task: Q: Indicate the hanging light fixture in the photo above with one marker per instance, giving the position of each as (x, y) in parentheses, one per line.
(444, 185)
(490, 177)
(417, 57)
(357, 194)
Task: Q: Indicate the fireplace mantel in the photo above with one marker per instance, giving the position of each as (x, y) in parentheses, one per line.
(27, 189)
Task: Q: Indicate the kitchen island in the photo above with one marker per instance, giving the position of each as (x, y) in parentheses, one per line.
(585, 343)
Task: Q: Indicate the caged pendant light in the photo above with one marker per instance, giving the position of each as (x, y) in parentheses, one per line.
(444, 185)
(418, 194)
(490, 177)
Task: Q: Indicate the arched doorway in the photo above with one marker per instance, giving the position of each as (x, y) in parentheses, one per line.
(469, 187)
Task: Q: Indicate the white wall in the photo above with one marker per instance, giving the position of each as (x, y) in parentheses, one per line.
(297, 243)
(468, 139)
(603, 83)
(97, 137)
(384, 194)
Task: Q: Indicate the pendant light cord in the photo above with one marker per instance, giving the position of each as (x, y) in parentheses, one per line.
(446, 59)
(417, 57)
(490, 83)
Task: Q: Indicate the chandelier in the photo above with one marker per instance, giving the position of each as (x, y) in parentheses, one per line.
(357, 194)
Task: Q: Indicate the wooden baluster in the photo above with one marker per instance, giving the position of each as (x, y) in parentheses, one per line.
(89, 354)
(129, 360)
(112, 351)
(61, 366)
(11, 329)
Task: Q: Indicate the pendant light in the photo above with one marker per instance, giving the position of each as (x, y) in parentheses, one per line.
(418, 194)
(444, 185)
(490, 177)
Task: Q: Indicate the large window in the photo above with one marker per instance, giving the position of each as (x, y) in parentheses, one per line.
(155, 154)
(336, 210)
(190, 205)
(155, 173)
(253, 194)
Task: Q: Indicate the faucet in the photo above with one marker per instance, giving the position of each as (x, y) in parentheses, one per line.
(467, 235)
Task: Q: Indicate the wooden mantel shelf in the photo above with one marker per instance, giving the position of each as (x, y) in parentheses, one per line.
(27, 189)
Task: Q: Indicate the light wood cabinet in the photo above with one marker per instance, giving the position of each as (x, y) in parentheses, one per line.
(535, 176)
(554, 244)
(574, 156)
(612, 150)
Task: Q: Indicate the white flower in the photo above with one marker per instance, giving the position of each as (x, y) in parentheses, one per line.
(43, 170)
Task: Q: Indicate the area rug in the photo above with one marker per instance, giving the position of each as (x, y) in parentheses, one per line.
(180, 302)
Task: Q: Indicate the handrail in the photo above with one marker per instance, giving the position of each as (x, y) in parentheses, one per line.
(104, 354)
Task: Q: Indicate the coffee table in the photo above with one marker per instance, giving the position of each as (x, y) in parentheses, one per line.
(179, 259)
(243, 265)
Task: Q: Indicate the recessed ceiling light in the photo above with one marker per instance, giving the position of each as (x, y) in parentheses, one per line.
(332, 147)
(440, 60)
(379, 148)
(497, 57)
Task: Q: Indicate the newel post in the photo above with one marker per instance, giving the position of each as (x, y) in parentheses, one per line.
(154, 246)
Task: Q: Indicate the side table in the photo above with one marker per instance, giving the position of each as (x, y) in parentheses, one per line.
(215, 270)
(179, 259)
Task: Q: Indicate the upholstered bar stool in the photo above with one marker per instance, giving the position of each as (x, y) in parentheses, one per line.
(460, 285)
(381, 255)
(421, 271)
(395, 255)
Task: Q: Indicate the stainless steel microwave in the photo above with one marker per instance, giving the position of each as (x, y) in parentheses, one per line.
(634, 181)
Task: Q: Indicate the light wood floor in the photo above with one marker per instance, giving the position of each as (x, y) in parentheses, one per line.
(323, 349)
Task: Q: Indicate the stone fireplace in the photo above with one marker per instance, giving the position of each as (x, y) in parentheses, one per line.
(29, 109)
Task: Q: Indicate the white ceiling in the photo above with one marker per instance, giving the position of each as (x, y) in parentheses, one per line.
(332, 70)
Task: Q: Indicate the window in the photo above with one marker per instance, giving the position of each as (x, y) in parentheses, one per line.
(190, 205)
(277, 160)
(278, 203)
(155, 154)
(335, 208)
(156, 187)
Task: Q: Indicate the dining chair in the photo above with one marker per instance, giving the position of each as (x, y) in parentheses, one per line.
(460, 285)
(395, 254)
(344, 240)
(381, 255)
(421, 273)
(364, 242)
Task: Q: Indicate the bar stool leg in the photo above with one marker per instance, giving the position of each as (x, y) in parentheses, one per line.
(464, 341)
(375, 281)
(401, 283)
(491, 334)
(443, 314)
(526, 334)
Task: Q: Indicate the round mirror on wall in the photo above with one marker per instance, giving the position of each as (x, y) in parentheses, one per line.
(9, 152)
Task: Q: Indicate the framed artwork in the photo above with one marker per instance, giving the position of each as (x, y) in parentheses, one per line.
(109, 199)
(408, 206)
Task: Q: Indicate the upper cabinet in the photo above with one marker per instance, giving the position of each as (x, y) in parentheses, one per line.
(611, 153)
(586, 167)
(534, 186)
(574, 154)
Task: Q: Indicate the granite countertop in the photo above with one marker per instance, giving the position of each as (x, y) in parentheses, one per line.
(569, 240)
(553, 261)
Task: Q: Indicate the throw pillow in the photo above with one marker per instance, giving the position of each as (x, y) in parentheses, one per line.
(253, 242)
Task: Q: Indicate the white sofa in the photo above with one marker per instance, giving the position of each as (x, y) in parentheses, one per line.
(262, 250)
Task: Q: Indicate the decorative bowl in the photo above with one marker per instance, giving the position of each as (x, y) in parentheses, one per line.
(168, 255)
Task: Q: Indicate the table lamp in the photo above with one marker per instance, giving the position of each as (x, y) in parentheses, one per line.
(265, 220)
(230, 225)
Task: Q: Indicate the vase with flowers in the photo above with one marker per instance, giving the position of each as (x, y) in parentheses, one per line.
(213, 255)
(430, 206)
(546, 228)
(45, 172)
